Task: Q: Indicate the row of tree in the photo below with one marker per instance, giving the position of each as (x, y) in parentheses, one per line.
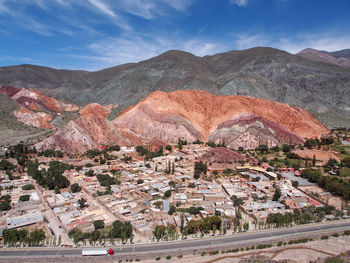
(304, 216)
(119, 230)
(334, 184)
(33, 238)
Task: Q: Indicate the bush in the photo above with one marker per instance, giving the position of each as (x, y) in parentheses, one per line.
(157, 258)
(168, 257)
(334, 260)
(336, 235)
(75, 188)
(347, 232)
(99, 224)
(263, 246)
(24, 198)
(324, 237)
(212, 253)
(280, 243)
(168, 147)
(180, 256)
(28, 187)
(203, 254)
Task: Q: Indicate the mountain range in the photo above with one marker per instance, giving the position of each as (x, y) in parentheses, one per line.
(321, 87)
(340, 58)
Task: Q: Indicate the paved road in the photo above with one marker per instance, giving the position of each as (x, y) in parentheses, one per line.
(187, 244)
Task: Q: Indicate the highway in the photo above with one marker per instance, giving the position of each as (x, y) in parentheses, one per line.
(214, 242)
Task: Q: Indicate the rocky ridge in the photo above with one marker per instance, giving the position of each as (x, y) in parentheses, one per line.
(190, 115)
(36, 109)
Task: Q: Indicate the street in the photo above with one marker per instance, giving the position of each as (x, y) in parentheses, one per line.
(185, 245)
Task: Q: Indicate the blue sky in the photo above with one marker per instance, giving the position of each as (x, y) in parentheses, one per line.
(96, 34)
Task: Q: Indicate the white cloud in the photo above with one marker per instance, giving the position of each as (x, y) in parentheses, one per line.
(239, 2)
(244, 41)
(293, 44)
(115, 51)
(103, 7)
(179, 5)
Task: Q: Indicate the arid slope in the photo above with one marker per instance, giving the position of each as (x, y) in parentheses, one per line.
(190, 115)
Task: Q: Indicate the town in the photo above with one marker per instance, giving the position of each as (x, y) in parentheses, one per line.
(139, 194)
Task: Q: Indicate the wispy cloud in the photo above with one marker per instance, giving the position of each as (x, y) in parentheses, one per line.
(103, 7)
(115, 51)
(330, 41)
(239, 2)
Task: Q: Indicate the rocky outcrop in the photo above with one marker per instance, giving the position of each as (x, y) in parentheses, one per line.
(222, 155)
(190, 115)
(37, 101)
(35, 119)
(249, 131)
(91, 130)
(37, 109)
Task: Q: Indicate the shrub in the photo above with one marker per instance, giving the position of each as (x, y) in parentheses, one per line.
(347, 232)
(24, 198)
(212, 253)
(28, 187)
(263, 246)
(280, 243)
(334, 260)
(180, 256)
(168, 257)
(203, 254)
(157, 258)
(324, 237)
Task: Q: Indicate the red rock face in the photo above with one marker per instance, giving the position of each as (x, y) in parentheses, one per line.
(222, 155)
(90, 131)
(196, 114)
(37, 109)
(36, 119)
(249, 131)
(191, 115)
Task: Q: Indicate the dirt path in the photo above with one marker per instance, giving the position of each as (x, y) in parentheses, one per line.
(275, 253)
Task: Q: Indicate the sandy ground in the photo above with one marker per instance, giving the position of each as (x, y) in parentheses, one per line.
(321, 156)
(301, 253)
(327, 198)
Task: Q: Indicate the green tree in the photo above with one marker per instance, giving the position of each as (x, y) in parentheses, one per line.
(277, 195)
(167, 194)
(28, 187)
(99, 224)
(168, 147)
(159, 232)
(5, 206)
(24, 198)
(75, 188)
(172, 209)
(295, 183)
(82, 202)
(246, 226)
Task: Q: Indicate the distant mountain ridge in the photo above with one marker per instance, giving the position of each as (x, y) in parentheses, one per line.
(340, 58)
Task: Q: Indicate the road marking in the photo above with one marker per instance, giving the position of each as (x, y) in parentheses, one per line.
(133, 250)
(58, 251)
(26, 253)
